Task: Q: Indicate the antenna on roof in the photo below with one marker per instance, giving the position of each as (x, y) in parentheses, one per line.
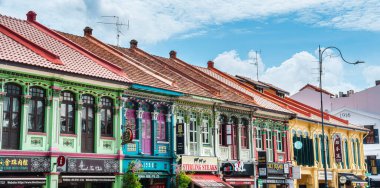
(256, 63)
(117, 24)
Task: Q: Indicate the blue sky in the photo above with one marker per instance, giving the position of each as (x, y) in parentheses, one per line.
(228, 32)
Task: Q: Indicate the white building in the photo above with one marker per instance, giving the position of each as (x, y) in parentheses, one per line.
(361, 108)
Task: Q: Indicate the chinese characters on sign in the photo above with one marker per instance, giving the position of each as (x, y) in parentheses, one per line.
(180, 134)
(338, 149)
(24, 164)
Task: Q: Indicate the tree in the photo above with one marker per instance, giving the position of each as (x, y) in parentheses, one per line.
(131, 179)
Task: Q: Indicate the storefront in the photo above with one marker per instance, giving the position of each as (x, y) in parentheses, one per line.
(155, 172)
(204, 169)
(275, 175)
(84, 172)
(23, 172)
(238, 173)
(347, 180)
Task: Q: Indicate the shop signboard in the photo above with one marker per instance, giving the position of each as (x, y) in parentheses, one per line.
(153, 175)
(22, 181)
(24, 164)
(79, 165)
(338, 149)
(237, 168)
(199, 164)
(275, 168)
(180, 138)
(321, 175)
(296, 172)
(148, 165)
(274, 181)
(262, 164)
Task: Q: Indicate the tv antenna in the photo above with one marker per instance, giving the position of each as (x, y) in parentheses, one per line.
(117, 24)
(256, 63)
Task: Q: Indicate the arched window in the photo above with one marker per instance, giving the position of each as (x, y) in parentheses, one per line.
(106, 120)
(346, 154)
(12, 117)
(131, 118)
(354, 150)
(36, 110)
(67, 113)
(316, 147)
(88, 123)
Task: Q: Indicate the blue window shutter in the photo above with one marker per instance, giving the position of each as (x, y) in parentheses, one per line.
(376, 135)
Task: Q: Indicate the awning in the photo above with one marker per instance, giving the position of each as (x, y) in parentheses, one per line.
(352, 178)
(208, 181)
(374, 178)
(240, 181)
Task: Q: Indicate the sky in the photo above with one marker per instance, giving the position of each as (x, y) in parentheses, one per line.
(282, 37)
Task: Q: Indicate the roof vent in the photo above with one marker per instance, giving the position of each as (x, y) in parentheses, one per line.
(173, 54)
(31, 16)
(210, 64)
(133, 43)
(87, 31)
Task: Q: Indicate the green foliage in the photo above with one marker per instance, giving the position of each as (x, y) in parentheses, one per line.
(182, 180)
(131, 179)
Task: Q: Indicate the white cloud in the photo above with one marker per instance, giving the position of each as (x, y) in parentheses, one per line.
(231, 63)
(153, 21)
(293, 73)
(371, 73)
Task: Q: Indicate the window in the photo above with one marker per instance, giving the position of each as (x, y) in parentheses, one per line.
(358, 151)
(353, 151)
(193, 139)
(316, 147)
(244, 136)
(11, 117)
(269, 142)
(346, 153)
(279, 141)
(36, 110)
(373, 135)
(67, 113)
(131, 119)
(88, 123)
(259, 139)
(161, 127)
(106, 117)
(205, 130)
(372, 165)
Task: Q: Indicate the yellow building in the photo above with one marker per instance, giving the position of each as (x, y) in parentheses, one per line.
(344, 149)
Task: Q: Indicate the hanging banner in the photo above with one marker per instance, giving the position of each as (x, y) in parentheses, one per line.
(338, 149)
(180, 138)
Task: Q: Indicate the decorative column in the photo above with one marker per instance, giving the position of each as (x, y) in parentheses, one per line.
(154, 133)
(251, 142)
(53, 125)
(139, 127)
(274, 136)
(238, 137)
(78, 121)
(24, 116)
(97, 129)
(2, 95)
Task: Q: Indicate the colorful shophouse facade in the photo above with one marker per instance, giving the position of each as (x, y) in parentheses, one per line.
(53, 108)
(344, 141)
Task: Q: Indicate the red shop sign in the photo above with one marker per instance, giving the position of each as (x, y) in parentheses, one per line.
(338, 149)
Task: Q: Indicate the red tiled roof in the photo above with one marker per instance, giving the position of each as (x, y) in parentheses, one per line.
(37, 45)
(316, 89)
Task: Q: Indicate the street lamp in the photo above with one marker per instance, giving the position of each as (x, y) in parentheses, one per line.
(320, 90)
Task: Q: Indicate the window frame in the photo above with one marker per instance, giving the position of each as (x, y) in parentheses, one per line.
(108, 129)
(269, 142)
(279, 141)
(33, 112)
(244, 137)
(161, 128)
(205, 134)
(193, 135)
(67, 103)
(259, 139)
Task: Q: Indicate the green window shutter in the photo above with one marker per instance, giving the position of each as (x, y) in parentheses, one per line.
(316, 148)
(358, 148)
(353, 151)
(346, 151)
(328, 152)
(322, 152)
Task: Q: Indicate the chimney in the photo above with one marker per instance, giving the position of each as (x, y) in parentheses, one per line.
(133, 43)
(173, 54)
(210, 64)
(377, 82)
(31, 16)
(87, 31)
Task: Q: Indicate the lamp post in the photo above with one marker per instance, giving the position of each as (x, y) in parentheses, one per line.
(320, 90)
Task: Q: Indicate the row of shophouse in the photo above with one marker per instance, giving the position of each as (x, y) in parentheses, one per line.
(68, 100)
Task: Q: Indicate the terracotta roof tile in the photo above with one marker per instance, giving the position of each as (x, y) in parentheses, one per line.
(73, 61)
